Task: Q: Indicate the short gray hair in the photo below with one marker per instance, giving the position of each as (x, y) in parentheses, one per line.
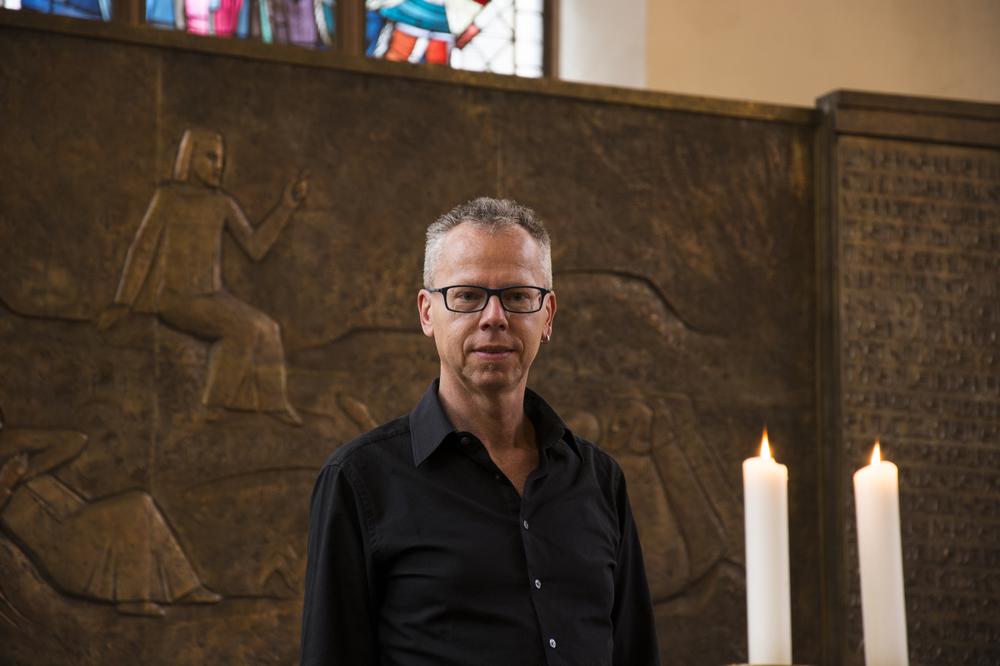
(493, 214)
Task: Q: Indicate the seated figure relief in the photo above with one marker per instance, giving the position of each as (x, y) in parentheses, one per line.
(117, 549)
(682, 505)
(173, 269)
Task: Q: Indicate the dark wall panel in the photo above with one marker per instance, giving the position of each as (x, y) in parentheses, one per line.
(914, 244)
(148, 525)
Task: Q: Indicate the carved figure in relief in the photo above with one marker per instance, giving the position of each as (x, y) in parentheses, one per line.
(681, 498)
(117, 549)
(173, 269)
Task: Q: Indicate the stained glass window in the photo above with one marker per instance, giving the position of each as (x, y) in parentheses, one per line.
(99, 10)
(308, 23)
(501, 36)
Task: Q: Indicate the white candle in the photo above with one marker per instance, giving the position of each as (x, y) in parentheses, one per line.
(880, 554)
(765, 504)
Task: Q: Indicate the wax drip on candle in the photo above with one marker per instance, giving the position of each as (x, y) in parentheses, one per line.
(765, 446)
(876, 453)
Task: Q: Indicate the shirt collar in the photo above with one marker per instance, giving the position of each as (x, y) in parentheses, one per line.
(550, 430)
(429, 426)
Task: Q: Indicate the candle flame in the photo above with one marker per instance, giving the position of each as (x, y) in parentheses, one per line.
(765, 446)
(876, 453)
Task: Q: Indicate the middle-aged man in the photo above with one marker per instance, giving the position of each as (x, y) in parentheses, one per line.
(477, 530)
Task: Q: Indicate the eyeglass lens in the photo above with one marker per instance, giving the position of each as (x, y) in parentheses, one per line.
(513, 299)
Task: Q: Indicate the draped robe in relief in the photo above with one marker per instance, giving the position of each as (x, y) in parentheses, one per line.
(115, 549)
(174, 269)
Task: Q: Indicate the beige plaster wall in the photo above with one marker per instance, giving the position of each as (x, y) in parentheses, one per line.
(792, 51)
(603, 42)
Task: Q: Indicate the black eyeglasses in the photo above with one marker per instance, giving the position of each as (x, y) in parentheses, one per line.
(466, 298)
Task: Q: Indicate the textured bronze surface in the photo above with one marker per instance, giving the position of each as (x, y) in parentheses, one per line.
(167, 523)
(916, 277)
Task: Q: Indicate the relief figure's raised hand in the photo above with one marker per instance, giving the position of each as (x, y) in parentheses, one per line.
(297, 190)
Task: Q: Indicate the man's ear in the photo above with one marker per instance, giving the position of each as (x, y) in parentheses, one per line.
(424, 301)
(550, 312)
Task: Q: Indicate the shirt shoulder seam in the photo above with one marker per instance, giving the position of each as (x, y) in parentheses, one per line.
(362, 442)
(372, 437)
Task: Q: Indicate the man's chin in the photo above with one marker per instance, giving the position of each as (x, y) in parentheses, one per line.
(494, 378)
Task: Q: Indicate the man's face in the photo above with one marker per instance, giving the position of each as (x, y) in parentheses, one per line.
(207, 161)
(489, 351)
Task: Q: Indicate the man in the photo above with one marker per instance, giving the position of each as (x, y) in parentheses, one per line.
(478, 530)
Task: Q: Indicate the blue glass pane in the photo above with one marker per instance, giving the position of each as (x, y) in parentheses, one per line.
(327, 22)
(373, 26)
(99, 10)
(419, 14)
(243, 24)
(161, 13)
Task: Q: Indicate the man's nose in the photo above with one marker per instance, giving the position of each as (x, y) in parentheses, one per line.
(493, 314)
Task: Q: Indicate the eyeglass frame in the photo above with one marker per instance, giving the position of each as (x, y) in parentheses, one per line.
(490, 293)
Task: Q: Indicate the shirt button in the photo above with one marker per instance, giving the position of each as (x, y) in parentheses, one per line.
(525, 523)
(496, 476)
(465, 441)
(552, 642)
(538, 584)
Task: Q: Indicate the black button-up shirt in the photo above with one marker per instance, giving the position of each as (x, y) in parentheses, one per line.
(422, 552)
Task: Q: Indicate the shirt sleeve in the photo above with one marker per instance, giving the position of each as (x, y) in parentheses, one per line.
(338, 620)
(635, 641)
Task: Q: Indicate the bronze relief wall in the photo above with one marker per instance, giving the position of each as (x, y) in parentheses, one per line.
(195, 324)
(208, 269)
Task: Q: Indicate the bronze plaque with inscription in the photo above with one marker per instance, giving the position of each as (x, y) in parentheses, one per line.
(917, 279)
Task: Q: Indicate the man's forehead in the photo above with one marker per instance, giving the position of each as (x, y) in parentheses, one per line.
(470, 244)
(484, 234)
(473, 239)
